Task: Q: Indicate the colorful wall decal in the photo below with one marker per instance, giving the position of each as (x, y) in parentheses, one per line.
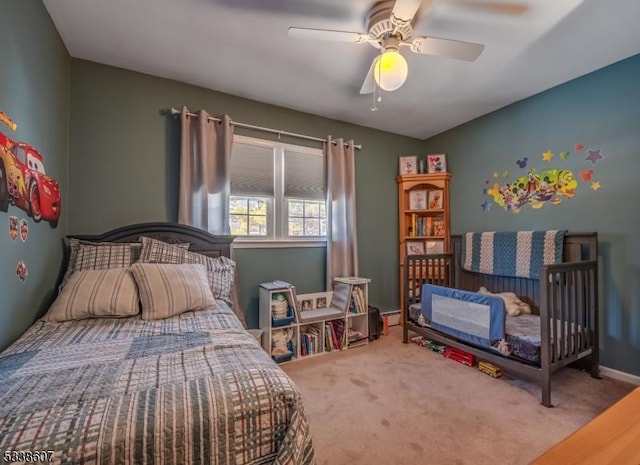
(586, 175)
(594, 156)
(13, 227)
(22, 271)
(541, 186)
(25, 184)
(4, 118)
(24, 229)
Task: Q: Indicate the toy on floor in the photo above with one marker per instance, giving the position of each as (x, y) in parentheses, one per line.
(436, 347)
(422, 342)
(460, 356)
(489, 369)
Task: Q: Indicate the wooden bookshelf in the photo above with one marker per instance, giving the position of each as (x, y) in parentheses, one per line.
(424, 222)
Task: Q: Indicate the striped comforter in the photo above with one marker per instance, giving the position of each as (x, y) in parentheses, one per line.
(191, 389)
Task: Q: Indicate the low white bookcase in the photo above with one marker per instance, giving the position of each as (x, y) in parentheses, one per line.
(296, 326)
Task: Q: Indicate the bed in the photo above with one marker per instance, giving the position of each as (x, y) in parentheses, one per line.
(185, 387)
(443, 305)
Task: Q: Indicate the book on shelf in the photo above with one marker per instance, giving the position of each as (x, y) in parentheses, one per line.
(357, 301)
(439, 228)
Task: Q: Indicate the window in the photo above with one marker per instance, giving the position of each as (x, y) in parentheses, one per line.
(278, 191)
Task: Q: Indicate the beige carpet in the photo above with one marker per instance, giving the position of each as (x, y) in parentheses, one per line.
(390, 403)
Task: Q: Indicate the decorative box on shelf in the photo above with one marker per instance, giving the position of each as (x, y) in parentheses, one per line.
(282, 313)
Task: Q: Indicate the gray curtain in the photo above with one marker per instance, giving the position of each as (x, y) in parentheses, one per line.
(342, 237)
(204, 172)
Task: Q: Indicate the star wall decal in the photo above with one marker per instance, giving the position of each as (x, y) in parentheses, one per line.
(579, 147)
(496, 174)
(595, 185)
(547, 156)
(594, 156)
(486, 206)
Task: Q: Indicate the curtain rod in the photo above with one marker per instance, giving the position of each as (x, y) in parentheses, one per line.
(175, 111)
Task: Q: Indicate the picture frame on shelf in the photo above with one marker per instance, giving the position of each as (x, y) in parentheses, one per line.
(434, 247)
(418, 199)
(408, 164)
(435, 199)
(415, 247)
(314, 301)
(306, 304)
(436, 163)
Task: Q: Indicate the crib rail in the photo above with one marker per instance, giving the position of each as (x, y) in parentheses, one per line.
(568, 312)
(426, 269)
(578, 247)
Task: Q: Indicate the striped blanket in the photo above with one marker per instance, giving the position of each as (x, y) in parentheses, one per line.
(196, 388)
(518, 254)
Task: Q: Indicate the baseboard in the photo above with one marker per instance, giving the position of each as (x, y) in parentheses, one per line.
(393, 316)
(620, 375)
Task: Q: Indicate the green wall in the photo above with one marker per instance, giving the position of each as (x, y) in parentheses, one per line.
(124, 169)
(600, 110)
(34, 92)
(123, 162)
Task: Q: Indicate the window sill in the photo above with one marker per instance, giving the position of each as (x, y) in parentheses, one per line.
(271, 244)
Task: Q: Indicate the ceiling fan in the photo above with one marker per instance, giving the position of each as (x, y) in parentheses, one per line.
(390, 27)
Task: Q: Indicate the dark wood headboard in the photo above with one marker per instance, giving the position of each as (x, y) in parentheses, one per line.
(200, 240)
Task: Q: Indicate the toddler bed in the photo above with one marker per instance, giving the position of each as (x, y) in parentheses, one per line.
(142, 359)
(561, 293)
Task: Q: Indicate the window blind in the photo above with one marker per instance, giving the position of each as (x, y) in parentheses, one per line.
(252, 168)
(304, 175)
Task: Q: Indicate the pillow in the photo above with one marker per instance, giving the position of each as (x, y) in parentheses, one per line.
(220, 270)
(88, 255)
(168, 290)
(96, 294)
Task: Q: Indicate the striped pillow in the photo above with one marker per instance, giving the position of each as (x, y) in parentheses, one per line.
(168, 290)
(96, 294)
(87, 255)
(220, 270)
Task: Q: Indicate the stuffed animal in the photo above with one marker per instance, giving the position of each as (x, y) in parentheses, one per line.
(280, 340)
(512, 303)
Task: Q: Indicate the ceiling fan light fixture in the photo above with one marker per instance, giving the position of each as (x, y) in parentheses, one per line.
(391, 70)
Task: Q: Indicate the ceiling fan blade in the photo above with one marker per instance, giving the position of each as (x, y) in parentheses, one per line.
(326, 34)
(467, 51)
(405, 10)
(369, 83)
(498, 7)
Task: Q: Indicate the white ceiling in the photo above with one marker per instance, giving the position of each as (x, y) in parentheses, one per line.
(241, 47)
